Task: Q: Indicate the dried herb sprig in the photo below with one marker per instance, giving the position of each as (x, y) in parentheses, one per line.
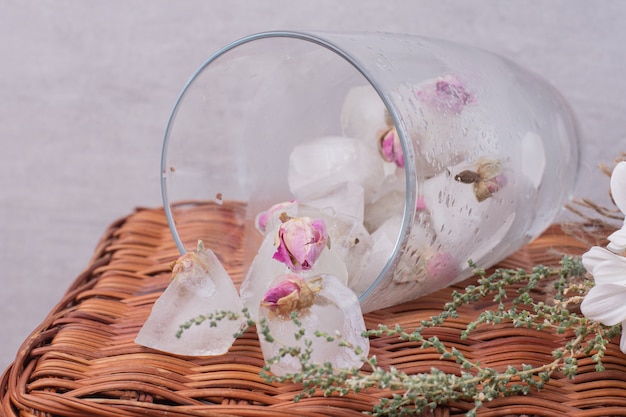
(412, 394)
(519, 298)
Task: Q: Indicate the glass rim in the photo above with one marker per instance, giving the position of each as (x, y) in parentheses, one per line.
(319, 39)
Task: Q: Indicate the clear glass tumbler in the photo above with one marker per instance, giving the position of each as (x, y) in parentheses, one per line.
(421, 154)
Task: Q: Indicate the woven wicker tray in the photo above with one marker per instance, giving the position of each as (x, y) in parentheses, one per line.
(81, 360)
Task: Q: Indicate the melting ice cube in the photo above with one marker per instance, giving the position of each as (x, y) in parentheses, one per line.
(344, 199)
(384, 240)
(335, 309)
(363, 115)
(533, 158)
(267, 220)
(352, 243)
(200, 286)
(465, 227)
(264, 269)
(326, 162)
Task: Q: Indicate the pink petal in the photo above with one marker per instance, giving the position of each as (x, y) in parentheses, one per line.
(391, 148)
(387, 146)
(605, 303)
(262, 219)
(319, 228)
(282, 254)
(281, 290)
(301, 241)
(298, 237)
(420, 204)
(447, 93)
(442, 266)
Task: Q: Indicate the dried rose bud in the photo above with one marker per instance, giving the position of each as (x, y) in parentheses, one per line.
(263, 219)
(441, 265)
(420, 204)
(294, 293)
(300, 242)
(487, 178)
(447, 93)
(191, 262)
(495, 183)
(390, 147)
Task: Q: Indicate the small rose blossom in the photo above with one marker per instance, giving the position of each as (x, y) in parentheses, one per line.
(447, 93)
(272, 297)
(292, 293)
(495, 183)
(420, 204)
(191, 263)
(487, 179)
(441, 265)
(300, 242)
(390, 147)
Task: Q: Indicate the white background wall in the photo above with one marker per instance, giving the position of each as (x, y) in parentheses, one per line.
(86, 88)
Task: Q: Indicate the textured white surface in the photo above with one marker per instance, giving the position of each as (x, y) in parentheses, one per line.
(87, 88)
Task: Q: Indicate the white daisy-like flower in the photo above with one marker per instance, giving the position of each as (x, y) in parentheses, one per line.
(618, 190)
(605, 302)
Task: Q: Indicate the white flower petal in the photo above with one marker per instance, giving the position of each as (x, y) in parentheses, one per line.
(618, 240)
(605, 303)
(594, 256)
(618, 186)
(622, 342)
(605, 265)
(609, 273)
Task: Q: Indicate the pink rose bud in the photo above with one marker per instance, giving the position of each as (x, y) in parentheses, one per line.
(420, 204)
(495, 183)
(442, 266)
(293, 293)
(286, 288)
(300, 242)
(390, 147)
(487, 178)
(447, 93)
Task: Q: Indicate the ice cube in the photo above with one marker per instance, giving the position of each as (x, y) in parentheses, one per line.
(200, 286)
(264, 269)
(326, 162)
(345, 198)
(267, 220)
(533, 158)
(383, 242)
(352, 242)
(464, 226)
(335, 310)
(261, 272)
(450, 123)
(348, 239)
(379, 211)
(363, 115)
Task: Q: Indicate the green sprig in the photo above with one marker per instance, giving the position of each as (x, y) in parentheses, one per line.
(514, 294)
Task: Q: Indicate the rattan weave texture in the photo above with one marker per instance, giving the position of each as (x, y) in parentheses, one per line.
(81, 360)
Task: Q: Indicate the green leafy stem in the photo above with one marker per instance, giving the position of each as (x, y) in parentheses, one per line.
(412, 394)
